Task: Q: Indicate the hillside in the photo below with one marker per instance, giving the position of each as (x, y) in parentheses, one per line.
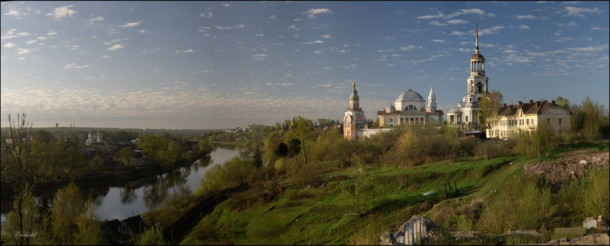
(356, 205)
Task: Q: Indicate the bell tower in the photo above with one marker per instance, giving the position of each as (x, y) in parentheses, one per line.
(477, 82)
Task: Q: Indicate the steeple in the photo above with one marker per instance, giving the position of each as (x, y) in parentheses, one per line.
(476, 45)
(431, 104)
(354, 99)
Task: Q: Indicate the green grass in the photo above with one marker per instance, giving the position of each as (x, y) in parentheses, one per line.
(333, 215)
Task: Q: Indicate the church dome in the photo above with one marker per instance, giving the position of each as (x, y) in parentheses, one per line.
(410, 96)
(454, 110)
(477, 57)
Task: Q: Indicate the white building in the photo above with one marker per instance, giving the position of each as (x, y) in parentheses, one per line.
(467, 113)
(525, 118)
(410, 108)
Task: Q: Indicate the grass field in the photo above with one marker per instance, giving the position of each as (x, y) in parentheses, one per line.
(357, 204)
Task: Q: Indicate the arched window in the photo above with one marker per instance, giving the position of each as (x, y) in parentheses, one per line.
(479, 88)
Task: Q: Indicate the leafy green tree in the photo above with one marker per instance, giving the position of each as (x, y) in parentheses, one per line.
(490, 103)
(126, 154)
(22, 220)
(152, 236)
(67, 205)
(564, 102)
(88, 226)
(19, 168)
(258, 158)
(204, 146)
(590, 120)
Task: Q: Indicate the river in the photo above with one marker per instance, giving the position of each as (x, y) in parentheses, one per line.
(142, 195)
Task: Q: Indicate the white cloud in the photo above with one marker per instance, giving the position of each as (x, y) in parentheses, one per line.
(292, 27)
(51, 33)
(312, 13)
(259, 34)
(314, 42)
(426, 17)
(22, 51)
(524, 27)
(273, 18)
(526, 17)
(438, 40)
(575, 11)
(131, 24)
(115, 47)
(225, 5)
(222, 27)
(240, 26)
(75, 66)
(457, 22)
(142, 31)
(105, 56)
(465, 12)
(62, 12)
(95, 19)
(9, 45)
(209, 14)
(326, 36)
(436, 23)
(457, 33)
(185, 51)
(30, 41)
(42, 37)
(259, 57)
(13, 12)
(595, 48)
(492, 30)
(409, 47)
(596, 28)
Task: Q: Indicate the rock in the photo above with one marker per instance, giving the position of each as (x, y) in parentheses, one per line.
(386, 239)
(590, 223)
(583, 162)
(429, 193)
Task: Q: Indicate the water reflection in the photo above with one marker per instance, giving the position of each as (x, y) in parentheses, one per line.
(122, 200)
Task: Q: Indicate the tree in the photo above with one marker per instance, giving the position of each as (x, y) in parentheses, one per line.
(88, 226)
(204, 146)
(564, 102)
(258, 159)
(152, 236)
(18, 167)
(126, 154)
(490, 103)
(22, 220)
(67, 205)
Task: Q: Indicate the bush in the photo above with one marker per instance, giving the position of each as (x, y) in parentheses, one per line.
(491, 148)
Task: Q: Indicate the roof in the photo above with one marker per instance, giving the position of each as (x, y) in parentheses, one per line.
(454, 110)
(477, 57)
(410, 96)
(528, 108)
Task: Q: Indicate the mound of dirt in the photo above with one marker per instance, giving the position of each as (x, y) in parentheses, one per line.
(570, 166)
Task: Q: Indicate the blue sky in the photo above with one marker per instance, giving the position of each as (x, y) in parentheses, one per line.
(228, 64)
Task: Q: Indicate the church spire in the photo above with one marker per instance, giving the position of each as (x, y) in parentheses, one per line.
(476, 46)
(431, 104)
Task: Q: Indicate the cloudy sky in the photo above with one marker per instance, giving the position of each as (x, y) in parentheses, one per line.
(227, 64)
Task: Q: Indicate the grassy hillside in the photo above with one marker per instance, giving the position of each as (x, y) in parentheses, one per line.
(357, 204)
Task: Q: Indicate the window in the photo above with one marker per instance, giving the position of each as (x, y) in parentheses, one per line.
(548, 121)
(559, 121)
(466, 119)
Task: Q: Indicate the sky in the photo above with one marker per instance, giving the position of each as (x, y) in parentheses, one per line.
(213, 65)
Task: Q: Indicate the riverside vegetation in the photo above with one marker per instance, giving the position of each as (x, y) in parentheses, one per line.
(317, 188)
(308, 185)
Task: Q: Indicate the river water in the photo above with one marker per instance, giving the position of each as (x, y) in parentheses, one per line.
(139, 196)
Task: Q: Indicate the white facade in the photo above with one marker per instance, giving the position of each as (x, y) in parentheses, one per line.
(410, 108)
(467, 113)
(512, 120)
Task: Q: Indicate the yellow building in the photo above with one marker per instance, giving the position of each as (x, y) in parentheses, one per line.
(514, 119)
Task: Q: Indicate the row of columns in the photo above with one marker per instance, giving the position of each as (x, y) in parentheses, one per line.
(476, 66)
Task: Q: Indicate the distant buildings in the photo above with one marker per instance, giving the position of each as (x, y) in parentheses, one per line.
(525, 118)
(411, 109)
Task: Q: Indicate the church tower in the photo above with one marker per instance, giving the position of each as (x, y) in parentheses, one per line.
(431, 105)
(477, 82)
(477, 85)
(354, 116)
